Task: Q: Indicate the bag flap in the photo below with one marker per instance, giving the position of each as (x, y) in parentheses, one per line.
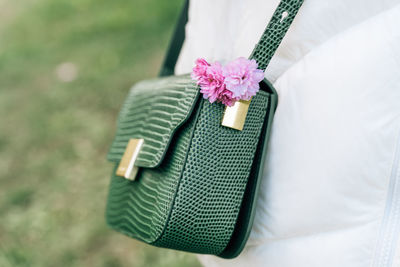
(153, 111)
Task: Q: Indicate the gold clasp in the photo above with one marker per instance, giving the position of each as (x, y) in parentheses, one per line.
(126, 167)
(235, 116)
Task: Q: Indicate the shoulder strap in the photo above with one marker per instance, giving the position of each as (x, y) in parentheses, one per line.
(264, 49)
(275, 31)
(175, 45)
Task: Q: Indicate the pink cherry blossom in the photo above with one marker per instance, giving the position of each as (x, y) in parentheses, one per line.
(199, 71)
(237, 80)
(242, 77)
(211, 81)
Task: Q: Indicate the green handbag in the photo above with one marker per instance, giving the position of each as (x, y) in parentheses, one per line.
(193, 182)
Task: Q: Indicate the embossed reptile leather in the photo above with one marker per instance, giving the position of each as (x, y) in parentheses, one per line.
(275, 31)
(197, 181)
(156, 108)
(214, 179)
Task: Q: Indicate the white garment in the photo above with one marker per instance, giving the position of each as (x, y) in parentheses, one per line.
(330, 195)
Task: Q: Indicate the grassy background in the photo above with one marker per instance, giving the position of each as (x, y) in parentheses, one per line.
(54, 134)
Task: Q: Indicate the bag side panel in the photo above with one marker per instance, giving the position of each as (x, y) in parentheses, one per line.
(214, 180)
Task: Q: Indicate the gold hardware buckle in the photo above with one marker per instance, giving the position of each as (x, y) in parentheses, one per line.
(126, 167)
(235, 116)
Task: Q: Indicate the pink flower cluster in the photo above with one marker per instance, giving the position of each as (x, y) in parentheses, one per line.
(238, 80)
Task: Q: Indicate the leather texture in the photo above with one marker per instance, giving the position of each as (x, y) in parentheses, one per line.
(153, 110)
(214, 179)
(191, 200)
(198, 180)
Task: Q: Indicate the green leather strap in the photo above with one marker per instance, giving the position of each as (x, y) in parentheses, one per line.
(175, 45)
(264, 49)
(275, 31)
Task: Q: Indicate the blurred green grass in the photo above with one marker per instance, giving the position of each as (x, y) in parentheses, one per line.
(54, 134)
